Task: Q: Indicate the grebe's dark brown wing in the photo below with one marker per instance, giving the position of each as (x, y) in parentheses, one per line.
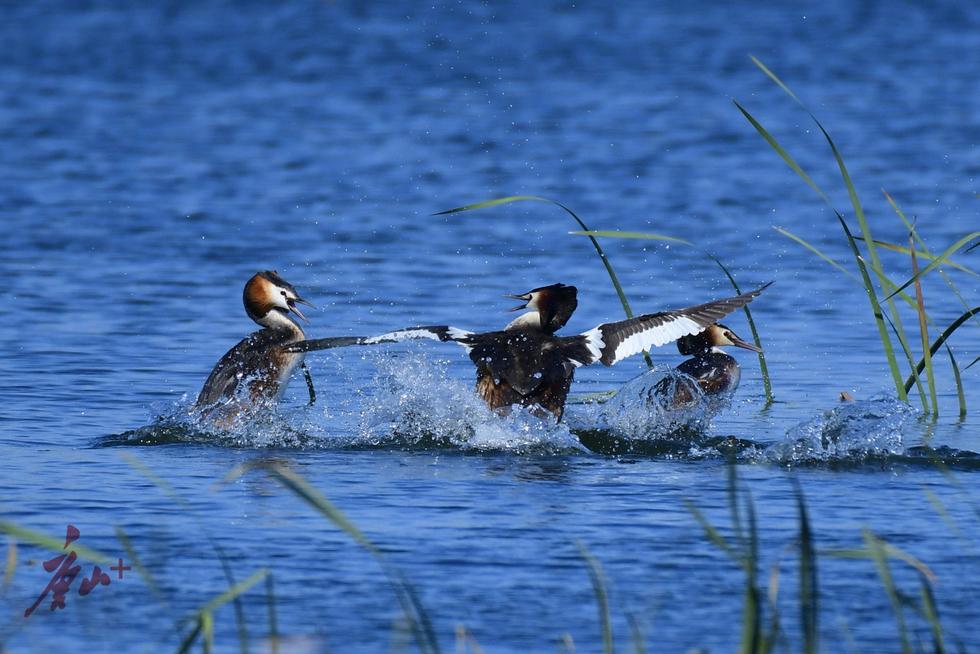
(614, 341)
(432, 332)
(249, 356)
(324, 343)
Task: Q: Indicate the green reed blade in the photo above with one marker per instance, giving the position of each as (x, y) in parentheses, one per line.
(235, 591)
(940, 508)
(910, 359)
(309, 494)
(931, 613)
(615, 233)
(770, 638)
(938, 261)
(188, 641)
(763, 367)
(960, 394)
(207, 629)
(636, 634)
(816, 251)
(891, 551)
(876, 549)
(922, 254)
(752, 610)
(11, 563)
(878, 273)
(731, 493)
(219, 551)
(938, 343)
(415, 614)
(873, 258)
(602, 597)
(809, 589)
(751, 630)
(270, 600)
(924, 333)
(713, 534)
(55, 544)
(613, 277)
(925, 248)
(141, 569)
(770, 139)
(876, 310)
(969, 365)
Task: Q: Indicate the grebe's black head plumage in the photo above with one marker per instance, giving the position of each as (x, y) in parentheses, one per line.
(269, 299)
(716, 335)
(555, 304)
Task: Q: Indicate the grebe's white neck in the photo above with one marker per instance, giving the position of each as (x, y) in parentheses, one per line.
(277, 320)
(529, 320)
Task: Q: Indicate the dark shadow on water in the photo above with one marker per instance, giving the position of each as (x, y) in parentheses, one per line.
(685, 443)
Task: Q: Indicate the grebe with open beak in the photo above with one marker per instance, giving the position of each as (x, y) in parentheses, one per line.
(260, 360)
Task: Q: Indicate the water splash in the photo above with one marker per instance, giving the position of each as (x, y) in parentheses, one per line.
(418, 404)
(857, 430)
(182, 422)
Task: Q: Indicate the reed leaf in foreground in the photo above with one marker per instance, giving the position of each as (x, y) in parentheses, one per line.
(55, 544)
(746, 554)
(809, 590)
(11, 563)
(931, 614)
(924, 333)
(418, 620)
(763, 367)
(141, 569)
(203, 618)
(601, 596)
(880, 558)
(270, 600)
(219, 551)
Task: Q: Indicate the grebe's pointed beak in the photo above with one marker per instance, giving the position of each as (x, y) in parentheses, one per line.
(737, 342)
(292, 302)
(526, 297)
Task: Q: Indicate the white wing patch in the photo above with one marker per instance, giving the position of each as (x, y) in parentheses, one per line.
(656, 336)
(594, 343)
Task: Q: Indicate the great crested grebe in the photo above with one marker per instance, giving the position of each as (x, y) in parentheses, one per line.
(715, 372)
(527, 364)
(259, 360)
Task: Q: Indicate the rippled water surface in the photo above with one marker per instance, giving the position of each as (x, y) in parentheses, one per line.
(154, 157)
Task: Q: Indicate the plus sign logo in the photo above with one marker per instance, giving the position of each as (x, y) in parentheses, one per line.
(65, 571)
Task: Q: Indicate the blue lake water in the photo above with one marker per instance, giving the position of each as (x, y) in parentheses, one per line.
(154, 157)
